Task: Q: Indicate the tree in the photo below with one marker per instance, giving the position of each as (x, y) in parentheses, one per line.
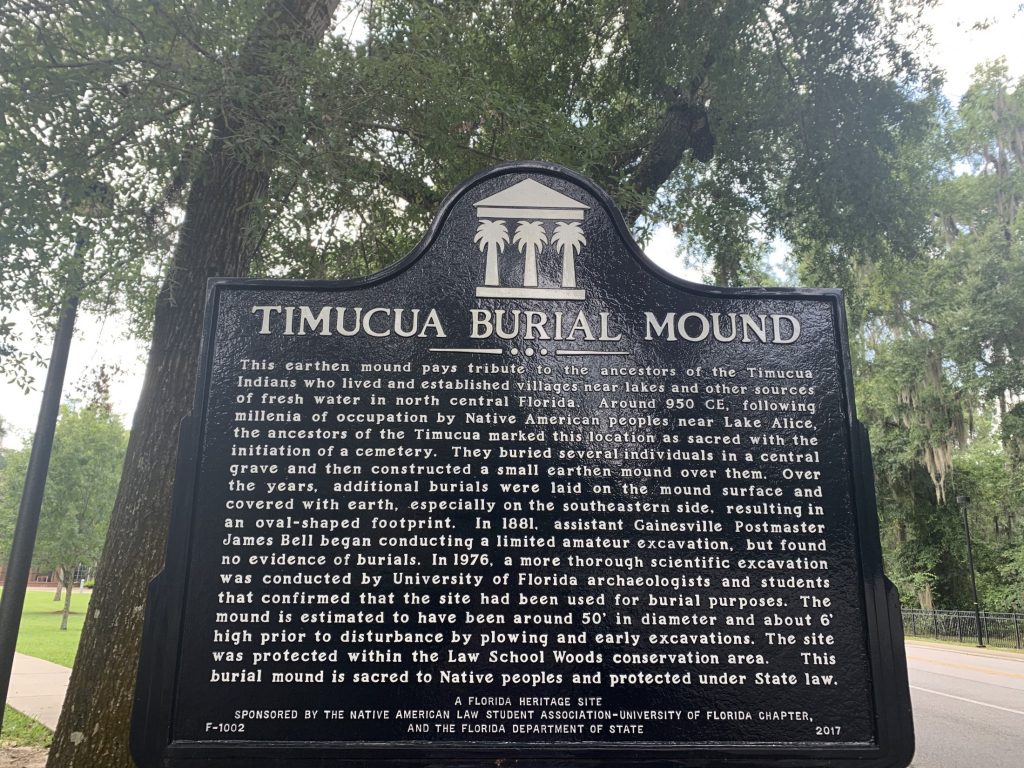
(227, 192)
(730, 121)
(81, 154)
(940, 370)
(6, 501)
(85, 467)
(726, 120)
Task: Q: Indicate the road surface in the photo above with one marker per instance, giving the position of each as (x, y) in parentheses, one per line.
(968, 706)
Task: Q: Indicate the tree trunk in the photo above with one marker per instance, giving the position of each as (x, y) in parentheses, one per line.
(69, 585)
(925, 598)
(60, 583)
(218, 238)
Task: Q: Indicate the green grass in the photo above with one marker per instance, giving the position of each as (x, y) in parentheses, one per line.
(40, 634)
(22, 731)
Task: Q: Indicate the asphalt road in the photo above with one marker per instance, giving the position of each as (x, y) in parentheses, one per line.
(968, 706)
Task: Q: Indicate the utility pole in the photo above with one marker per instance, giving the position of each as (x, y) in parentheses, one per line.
(962, 502)
(19, 562)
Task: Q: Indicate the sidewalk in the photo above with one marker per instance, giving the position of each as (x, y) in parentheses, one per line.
(37, 688)
(969, 650)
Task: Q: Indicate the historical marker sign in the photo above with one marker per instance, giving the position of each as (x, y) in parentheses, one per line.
(523, 497)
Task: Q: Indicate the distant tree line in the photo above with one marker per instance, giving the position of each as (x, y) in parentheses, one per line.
(940, 360)
(85, 468)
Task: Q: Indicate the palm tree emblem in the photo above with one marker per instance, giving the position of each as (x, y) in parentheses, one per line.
(568, 238)
(534, 212)
(492, 236)
(530, 238)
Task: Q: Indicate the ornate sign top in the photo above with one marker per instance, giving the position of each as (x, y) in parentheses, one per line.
(529, 199)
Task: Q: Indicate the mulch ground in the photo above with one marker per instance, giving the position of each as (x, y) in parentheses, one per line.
(23, 757)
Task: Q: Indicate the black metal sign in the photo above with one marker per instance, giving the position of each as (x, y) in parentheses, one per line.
(524, 496)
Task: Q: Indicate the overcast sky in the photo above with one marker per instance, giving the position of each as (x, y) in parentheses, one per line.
(959, 48)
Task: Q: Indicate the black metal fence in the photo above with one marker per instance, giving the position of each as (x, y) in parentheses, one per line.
(998, 630)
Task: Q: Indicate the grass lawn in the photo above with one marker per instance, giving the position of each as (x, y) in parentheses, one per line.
(22, 731)
(40, 634)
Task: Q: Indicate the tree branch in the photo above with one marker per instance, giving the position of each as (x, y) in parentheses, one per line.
(683, 126)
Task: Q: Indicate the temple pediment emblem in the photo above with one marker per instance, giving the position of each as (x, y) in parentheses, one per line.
(534, 221)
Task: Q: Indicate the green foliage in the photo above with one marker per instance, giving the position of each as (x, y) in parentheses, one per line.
(105, 108)
(82, 482)
(732, 122)
(940, 371)
(85, 467)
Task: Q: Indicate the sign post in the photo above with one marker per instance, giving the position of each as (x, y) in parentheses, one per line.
(523, 496)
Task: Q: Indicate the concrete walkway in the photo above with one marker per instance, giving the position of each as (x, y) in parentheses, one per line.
(37, 688)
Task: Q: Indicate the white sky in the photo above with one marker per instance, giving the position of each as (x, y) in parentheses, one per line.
(96, 342)
(959, 48)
